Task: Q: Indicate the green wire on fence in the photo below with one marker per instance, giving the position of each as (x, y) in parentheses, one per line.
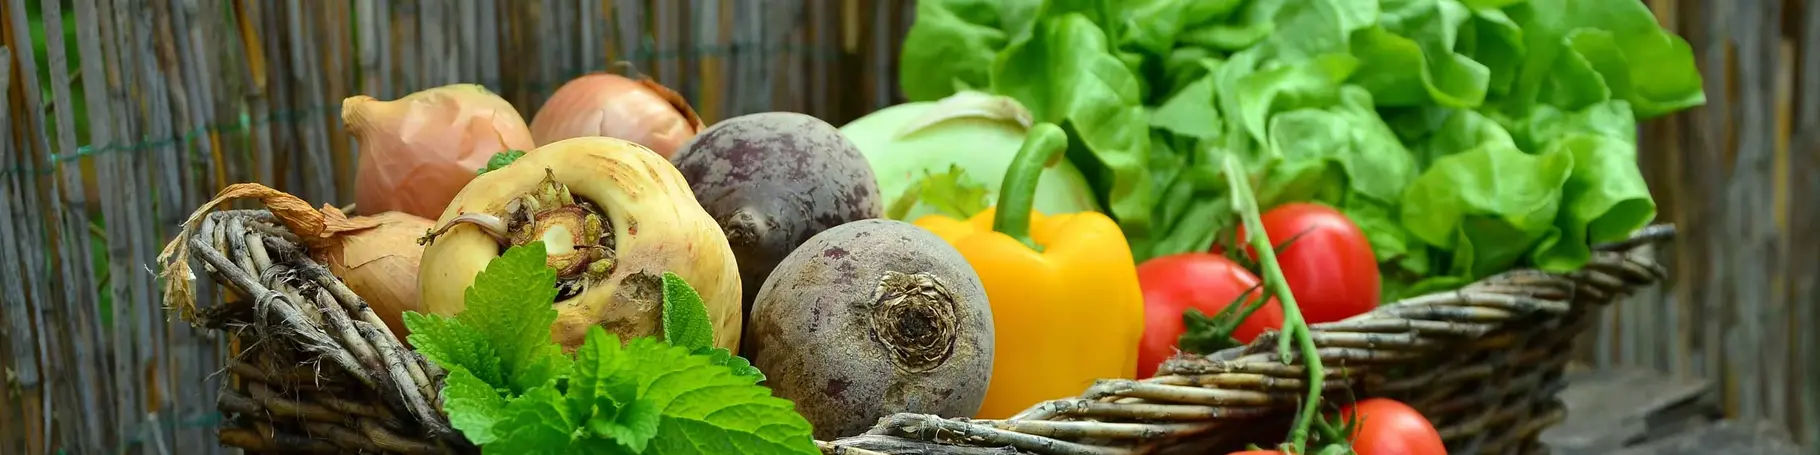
(292, 116)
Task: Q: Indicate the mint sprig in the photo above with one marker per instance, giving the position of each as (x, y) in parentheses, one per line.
(511, 389)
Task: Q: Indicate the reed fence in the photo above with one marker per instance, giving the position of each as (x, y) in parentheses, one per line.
(122, 115)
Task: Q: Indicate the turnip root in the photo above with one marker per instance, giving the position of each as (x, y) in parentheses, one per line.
(871, 318)
(774, 179)
(613, 216)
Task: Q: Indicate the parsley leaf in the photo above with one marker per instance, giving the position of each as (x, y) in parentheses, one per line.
(500, 160)
(685, 316)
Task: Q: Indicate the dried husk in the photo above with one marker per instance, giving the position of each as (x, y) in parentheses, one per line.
(376, 256)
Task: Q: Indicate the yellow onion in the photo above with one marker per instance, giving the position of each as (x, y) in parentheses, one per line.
(613, 216)
(375, 256)
(379, 263)
(611, 105)
(416, 152)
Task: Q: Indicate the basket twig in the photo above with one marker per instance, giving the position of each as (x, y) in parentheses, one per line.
(1502, 335)
(301, 314)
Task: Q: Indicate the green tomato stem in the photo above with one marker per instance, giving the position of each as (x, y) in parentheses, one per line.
(1043, 146)
(1294, 326)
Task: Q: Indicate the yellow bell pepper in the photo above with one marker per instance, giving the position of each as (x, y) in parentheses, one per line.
(1066, 307)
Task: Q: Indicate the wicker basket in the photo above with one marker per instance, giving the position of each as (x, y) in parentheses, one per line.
(1482, 363)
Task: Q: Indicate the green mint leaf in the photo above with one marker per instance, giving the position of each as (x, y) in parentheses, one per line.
(509, 304)
(702, 407)
(500, 160)
(603, 386)
(723, 357)
(633, 428)
(538, 423)
(455, 346)
(685, 316)
(474, 407)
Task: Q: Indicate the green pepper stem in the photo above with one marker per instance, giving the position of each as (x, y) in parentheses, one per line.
(1295, 328)
(1043, 145)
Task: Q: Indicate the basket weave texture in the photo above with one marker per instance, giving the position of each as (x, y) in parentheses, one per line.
(317, 371)
(1483, 363)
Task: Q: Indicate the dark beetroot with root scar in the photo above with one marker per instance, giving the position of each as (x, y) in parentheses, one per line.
(772, 180)
(872, 318)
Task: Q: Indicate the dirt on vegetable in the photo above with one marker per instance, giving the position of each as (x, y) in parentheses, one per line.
(872, 318)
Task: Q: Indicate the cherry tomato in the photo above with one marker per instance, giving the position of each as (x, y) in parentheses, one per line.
(1206, 282)
(1330, 267)
(1389, 427)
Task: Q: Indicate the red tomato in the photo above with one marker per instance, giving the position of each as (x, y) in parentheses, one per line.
(1330, 267)
(1389, 427)
(1207, 282)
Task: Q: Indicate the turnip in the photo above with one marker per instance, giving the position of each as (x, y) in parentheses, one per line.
(613, 216)
(871, 318)
(772, 180)
(972, 132)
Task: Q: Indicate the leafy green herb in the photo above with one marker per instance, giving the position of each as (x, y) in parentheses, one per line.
(950, 193)
(500, 160)
(1397, 112)
(685, 316)
(511, 389)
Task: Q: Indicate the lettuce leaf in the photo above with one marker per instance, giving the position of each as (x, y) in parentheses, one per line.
(1407, 115)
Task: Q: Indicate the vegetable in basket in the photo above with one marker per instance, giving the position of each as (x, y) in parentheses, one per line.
(610, 105)
(1381, 426)
(613, 217)
(511, 389)
(1464, 138)
(949, 157)
(773, 180)
(1210, 285)
(1326, 260)
(416, 152)
(373, 255)
(872, 318)
(1066, 305)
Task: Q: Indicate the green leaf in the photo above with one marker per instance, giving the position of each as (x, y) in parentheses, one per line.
(1410, 58)
(455, 346)
(632, 428)
(538, 424)
(685, 316)
(474, 407)
(703, 407)
(510, 303)
(950, 193)
(1204, 334)
(500, 160)
(1489, 206)
(739, 365)
(1066, 72)
(1579, 48)
(951, 46)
